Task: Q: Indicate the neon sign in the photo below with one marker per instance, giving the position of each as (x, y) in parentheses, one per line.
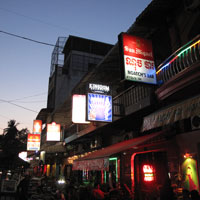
(149, 173)
(79, 109)
(53, 132)
(98, 88)
(138, 61)
(99, 107)
(37, 126)
(33, 142)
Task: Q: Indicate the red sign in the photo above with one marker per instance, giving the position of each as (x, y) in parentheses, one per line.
(149, 173)
(33, 142)
(138, 59)
(37, 126)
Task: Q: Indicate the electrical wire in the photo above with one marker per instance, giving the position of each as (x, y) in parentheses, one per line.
(18, 106)
(31, 101)
(38, 20)
(29, 39)
(22, 98)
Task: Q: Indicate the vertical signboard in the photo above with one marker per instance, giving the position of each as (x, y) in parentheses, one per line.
(33, 142)
(137, 59)
(99, 107)
(53, 132)
(79, 109)
(37, 126)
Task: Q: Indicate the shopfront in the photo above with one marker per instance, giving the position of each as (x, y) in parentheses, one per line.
(107, 164)
(190, 156)
(150, 174)
(186, 138)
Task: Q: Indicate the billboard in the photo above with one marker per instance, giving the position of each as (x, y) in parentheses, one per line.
(79, 109)
(53, 132)
(137, 58)
(37, 126)
(99, 107)
(33, 142)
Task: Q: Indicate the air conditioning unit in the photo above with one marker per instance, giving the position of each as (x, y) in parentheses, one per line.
(195, 122)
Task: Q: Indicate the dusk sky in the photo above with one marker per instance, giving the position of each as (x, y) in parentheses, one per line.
(25, 65)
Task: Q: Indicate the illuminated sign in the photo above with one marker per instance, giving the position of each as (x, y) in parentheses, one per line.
(33, 142)
(137, 59)
(98, 88)
(190, 174)
(23, 156)
(99, 107)
(149, 173)
(53, 132)
(79, 109)
(37, 126)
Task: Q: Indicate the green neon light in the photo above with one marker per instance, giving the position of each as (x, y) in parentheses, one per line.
(111, 159)
(179, 54)
(115, 158)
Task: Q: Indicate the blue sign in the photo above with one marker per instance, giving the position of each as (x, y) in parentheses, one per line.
(99, 107)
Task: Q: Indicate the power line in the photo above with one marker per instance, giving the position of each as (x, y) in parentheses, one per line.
(40, 94)
(38, 20)
(19, 106)
(35, 95)
(29, 39)
(31, 101)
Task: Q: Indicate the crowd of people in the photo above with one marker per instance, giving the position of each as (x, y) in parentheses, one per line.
(70, 190)
(48, 188)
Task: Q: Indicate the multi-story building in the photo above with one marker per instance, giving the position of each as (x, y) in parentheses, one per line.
(71, 59)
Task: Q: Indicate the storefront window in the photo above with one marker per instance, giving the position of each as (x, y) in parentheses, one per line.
(113, 168)
(112, 176)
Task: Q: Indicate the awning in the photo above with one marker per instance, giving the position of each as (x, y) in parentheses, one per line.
(99, 160)
(183, 110)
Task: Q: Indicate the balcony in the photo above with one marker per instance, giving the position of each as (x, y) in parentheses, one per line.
(179, 75)
(132, 100)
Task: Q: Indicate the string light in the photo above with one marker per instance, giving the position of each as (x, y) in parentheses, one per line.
(183, 51)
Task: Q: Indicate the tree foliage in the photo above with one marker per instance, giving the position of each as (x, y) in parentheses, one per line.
(13, 140)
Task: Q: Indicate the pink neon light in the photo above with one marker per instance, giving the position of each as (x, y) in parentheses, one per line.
(148, 171)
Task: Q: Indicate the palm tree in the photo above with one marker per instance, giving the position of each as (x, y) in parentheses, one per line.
(13, 141)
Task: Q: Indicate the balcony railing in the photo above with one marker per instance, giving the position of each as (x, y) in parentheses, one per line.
(183, 58)
(129, 97)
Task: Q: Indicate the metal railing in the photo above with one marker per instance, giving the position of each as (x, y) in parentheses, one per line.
(183, 58)
(129, 97)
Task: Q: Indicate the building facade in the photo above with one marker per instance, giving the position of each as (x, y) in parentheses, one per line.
(152, 141)
(71, 59)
